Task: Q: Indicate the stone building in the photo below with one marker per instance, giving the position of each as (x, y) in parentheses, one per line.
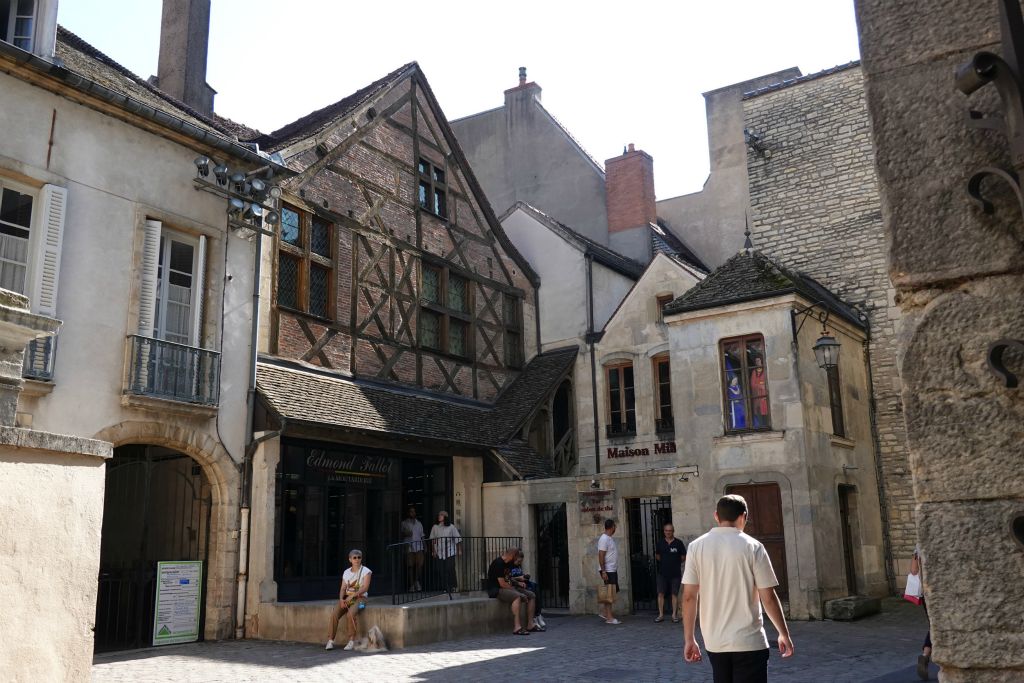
(103, 228)
(959, 274)
(799, 148)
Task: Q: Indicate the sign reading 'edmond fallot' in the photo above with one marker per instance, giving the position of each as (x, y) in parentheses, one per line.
(659, 448)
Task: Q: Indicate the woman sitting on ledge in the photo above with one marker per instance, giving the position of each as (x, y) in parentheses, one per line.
(355, 585)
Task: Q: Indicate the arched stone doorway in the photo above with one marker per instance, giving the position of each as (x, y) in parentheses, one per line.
(171, 495)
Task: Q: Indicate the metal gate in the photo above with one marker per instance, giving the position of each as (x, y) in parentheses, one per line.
(156, 508)
(552, 560)
(646, 516)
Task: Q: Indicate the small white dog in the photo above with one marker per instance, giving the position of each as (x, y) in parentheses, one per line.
(373, 642)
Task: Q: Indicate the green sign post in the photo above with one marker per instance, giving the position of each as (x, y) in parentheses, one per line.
(178, 601)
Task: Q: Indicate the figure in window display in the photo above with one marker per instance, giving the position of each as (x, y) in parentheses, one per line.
(759, 394)
(737, 415)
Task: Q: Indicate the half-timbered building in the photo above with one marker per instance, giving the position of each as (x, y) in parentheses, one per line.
(399, 357)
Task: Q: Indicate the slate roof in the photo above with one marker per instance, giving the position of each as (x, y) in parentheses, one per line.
(84, 59)
(316, 121)
(749, 276)
(602, 254)
(663, 240)
(308, 397)
(801, 79)
(525, 461)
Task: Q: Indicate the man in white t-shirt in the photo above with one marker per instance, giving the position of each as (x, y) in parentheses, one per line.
(608, 564)
(732, 575)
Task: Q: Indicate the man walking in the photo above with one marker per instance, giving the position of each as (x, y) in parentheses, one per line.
(669, 553)
(731, 574)
(412, 534)
(608, 563)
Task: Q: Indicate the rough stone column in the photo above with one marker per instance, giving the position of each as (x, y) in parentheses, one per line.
(959, 275)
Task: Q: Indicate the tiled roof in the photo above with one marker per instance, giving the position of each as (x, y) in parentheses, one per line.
(749, 276)
(84, 59)
(602, 254)
(664, 240)
(241, 131)
(309, 397)
(801, 79)
(525, 461)
(321, 118)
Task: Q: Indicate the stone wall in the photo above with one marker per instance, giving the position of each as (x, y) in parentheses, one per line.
(959, 274)
(815, 207)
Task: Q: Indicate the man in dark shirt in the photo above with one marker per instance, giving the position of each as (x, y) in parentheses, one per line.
(499, 586)
(670, 554)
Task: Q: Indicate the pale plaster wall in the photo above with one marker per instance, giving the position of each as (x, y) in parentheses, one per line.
(610, 287)
(117, 175)
(52, 499)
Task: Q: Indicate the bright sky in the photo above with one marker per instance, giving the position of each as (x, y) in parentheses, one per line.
(612, 72)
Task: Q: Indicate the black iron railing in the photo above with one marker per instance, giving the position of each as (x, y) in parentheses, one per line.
(39, 354)
(443, 566)
(664, 425)
(620, 429)
(177, 372)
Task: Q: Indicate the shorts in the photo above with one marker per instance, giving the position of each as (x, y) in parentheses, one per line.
(669, 585)
(509, 595)
(613, 579)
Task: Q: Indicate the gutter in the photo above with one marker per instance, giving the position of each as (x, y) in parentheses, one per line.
(137, 107)
(591, 338)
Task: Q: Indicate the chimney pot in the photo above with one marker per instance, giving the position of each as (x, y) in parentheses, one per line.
(522, 75)
(631, 147)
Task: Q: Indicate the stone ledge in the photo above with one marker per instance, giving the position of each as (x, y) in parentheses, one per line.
(752, 437)
(843, 442)
(852, 607)
(55, 443)
(163, 405)
(35, 388)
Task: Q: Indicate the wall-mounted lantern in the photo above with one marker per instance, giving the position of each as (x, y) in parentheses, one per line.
(826, 349)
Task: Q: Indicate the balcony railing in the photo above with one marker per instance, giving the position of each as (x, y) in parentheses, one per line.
(38, 363)
(619, 429)
(664, 425)
(175, 372)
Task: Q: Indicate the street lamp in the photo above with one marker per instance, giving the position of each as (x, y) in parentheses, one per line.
(826, 351)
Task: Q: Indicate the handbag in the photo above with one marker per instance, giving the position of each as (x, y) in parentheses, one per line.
(606, 593)
(913, 590)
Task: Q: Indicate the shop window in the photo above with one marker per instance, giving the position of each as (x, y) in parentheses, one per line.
(835, 397)
(433, 188)
(513, 331)
(17, 22)
(445, 304)
(663, 395)
(663, 299)
(621, 400)
(305, 265)
(745, 384)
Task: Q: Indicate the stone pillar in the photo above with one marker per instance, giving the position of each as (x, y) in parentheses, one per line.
(959, 275)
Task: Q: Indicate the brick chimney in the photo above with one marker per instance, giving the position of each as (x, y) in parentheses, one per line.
(184, 39)
(629, 188)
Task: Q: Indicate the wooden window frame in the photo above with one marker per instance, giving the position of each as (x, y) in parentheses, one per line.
(627, 429)
(513, 330)
(308, 259)
(446, 313)
(662, 425)
(744, 375)
(835, 400)
(661, 300)
(9, 23)
(434, 186)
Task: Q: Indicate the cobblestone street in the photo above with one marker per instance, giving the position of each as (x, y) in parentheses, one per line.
(880, 649)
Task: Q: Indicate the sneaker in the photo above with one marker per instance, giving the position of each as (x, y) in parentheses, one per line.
(922, 667)
(329, 645)
(540, 620)
(613, 622)
(351, 644)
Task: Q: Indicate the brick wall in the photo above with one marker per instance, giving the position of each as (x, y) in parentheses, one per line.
(629, 183)
(815, 207)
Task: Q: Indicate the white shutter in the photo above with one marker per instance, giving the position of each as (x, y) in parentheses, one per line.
(149, 267)
(199, 293)
(46, 260)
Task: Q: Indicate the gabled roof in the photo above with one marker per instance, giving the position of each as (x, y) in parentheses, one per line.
(698, 276)
(664, 241)
(602, 254)
(314, 122)
(750, 276)
(522, 462)
(308, 397)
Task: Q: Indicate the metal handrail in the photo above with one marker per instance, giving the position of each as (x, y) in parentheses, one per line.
(449, 565)
(173, 371)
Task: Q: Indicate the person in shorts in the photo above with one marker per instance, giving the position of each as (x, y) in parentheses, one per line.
(669, 553)
(608, 563)
(500, 586)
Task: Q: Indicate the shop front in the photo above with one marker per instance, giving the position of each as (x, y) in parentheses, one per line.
(330, 498)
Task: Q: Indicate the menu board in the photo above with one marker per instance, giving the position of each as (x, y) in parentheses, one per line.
(178, 599)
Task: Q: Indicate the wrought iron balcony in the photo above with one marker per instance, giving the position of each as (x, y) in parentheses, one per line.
(38, 363)
(664, 425)
(176, 372)
(620, 429)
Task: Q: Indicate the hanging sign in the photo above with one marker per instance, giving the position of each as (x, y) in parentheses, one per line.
(178, 599)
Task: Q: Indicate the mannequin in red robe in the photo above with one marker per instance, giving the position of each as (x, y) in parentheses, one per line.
(759, 394)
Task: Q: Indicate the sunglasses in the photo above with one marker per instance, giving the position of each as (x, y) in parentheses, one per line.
(356, 557)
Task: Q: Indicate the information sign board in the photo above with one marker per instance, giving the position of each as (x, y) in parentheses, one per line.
(178, 600)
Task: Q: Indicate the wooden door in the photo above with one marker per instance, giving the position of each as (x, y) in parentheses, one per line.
(764, 505)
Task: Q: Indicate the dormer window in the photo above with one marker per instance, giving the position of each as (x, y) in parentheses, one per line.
(17, 22)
